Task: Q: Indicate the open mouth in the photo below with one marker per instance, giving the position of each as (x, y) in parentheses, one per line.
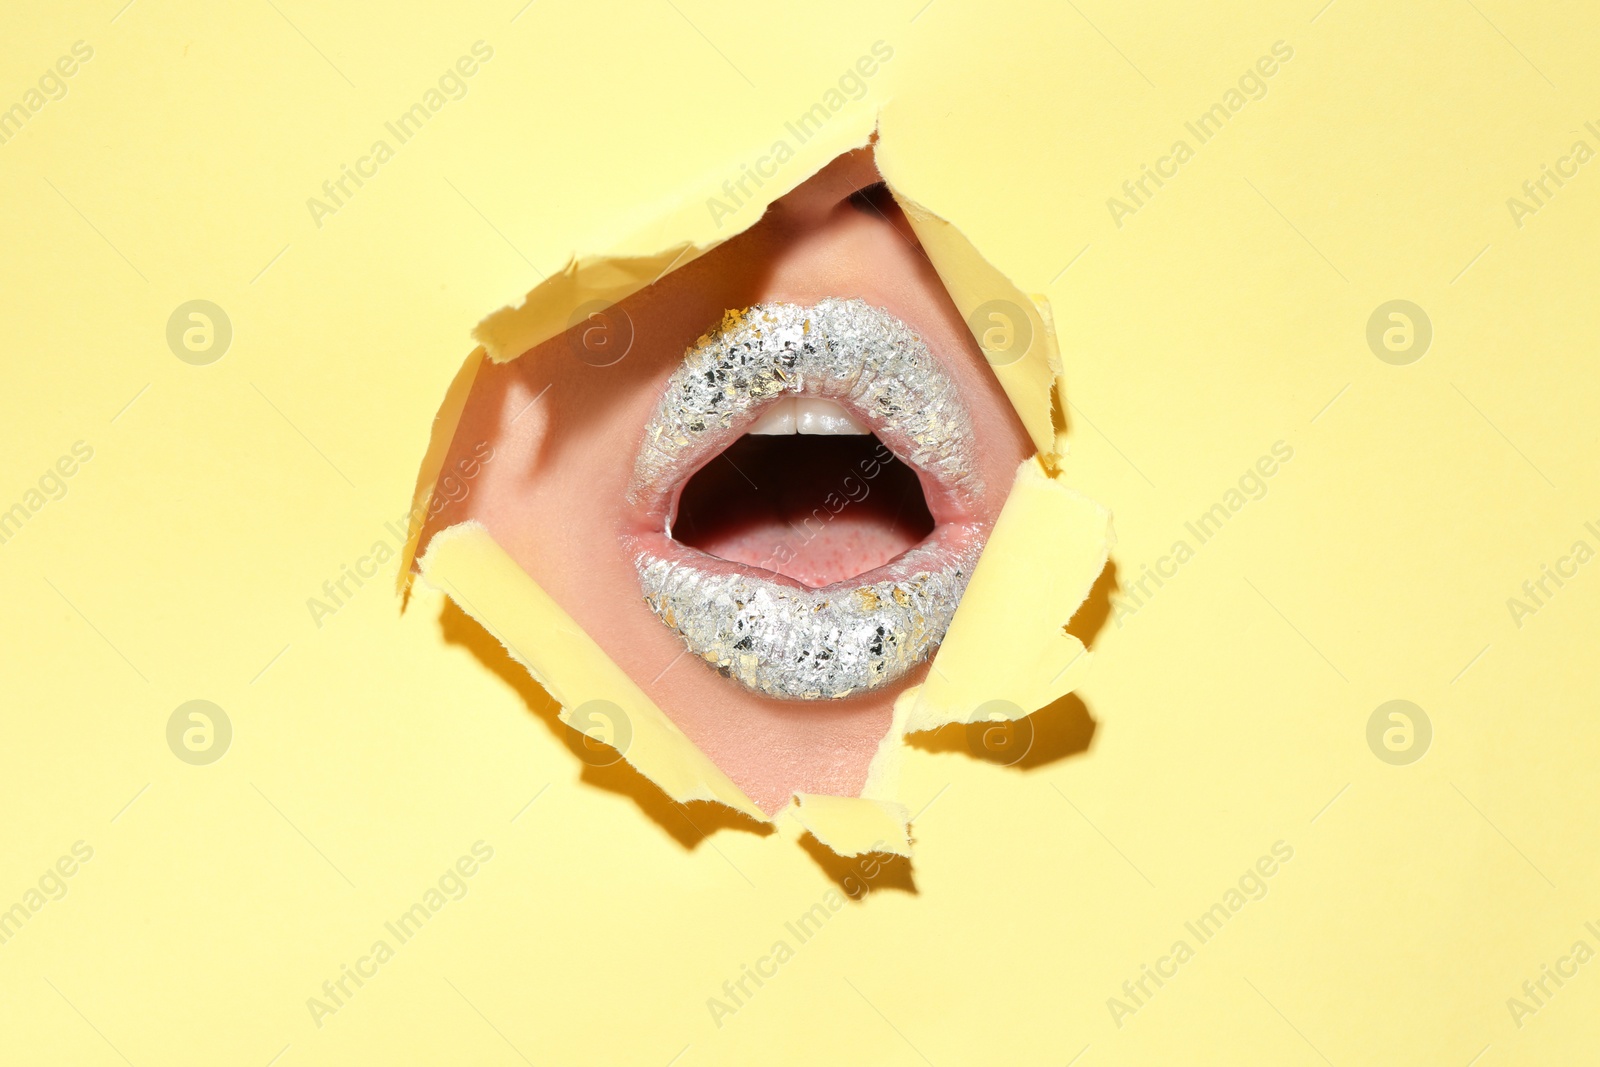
(804, 500)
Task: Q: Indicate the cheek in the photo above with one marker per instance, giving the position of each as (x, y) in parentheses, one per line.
(552, 496)
(1003, 443)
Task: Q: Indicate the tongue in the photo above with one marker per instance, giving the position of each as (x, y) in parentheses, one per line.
(817, 509)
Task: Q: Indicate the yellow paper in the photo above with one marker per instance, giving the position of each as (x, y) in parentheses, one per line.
(1404, 551)
(852, 827)
(992, 648)
(1008, 643)
(596, 697)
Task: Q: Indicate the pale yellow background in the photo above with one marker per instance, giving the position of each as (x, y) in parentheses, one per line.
(1227, 314)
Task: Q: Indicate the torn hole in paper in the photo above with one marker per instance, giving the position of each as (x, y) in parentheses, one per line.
(1006, 655)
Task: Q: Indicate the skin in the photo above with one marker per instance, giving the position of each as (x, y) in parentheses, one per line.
(564, 433)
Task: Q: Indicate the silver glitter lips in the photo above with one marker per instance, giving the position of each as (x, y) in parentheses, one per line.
(764, 630)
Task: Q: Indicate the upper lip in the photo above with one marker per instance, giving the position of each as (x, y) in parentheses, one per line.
(869, 362)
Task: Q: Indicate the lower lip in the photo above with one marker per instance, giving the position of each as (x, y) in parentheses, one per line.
(774, 635)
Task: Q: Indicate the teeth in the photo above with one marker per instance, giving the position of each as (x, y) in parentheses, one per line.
(777, 419)
(807, 415)
(823, 417)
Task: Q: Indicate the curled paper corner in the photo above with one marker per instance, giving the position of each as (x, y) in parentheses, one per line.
(1015, 330)
(876, 821)
(584, 283)
(683, 231)
(467, 565)
(1007, 653)
(424, 499)
(1012, 327)
(854, 826)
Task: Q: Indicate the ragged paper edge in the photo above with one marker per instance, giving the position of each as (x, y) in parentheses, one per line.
(1031, 380)
(440, 436)
(854, 826)
(464, 563)
(1049, 545)
(1048, 662)
(686, 230)
(1028, 380)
